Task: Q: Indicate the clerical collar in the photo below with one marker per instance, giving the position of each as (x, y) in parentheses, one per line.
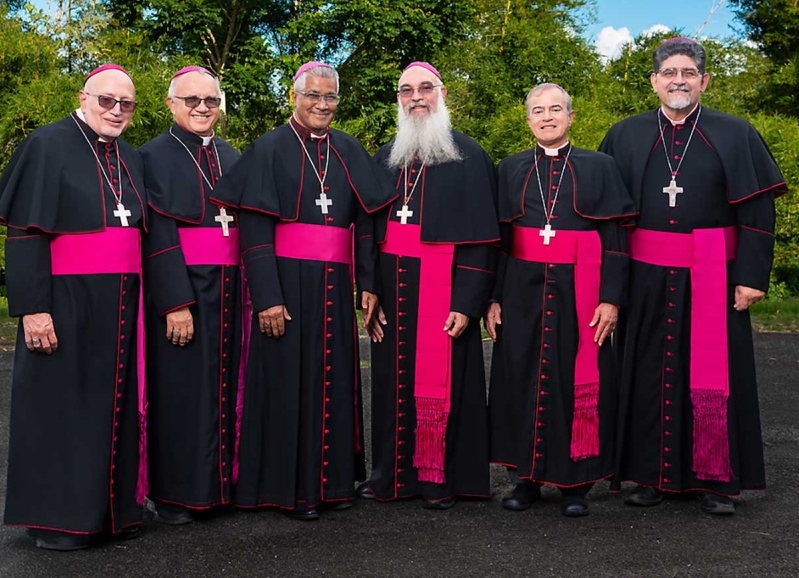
(304, 131)
(554, 152)
(677, 122)
(191, 137)
(79, 114)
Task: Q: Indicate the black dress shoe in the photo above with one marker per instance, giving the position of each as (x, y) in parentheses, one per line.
(522, 497)
(444, 504)
(716, 505)
(61, 541)
(130, 533)
(304, 513)
(337, 506)
(644, 497)
(574, 507)
(364, 491)
(172, 514)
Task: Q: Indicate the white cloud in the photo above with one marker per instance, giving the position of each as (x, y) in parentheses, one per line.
(655, 29)
(610, 41)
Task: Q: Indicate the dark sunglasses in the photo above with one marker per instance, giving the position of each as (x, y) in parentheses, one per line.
(109, 102)
(194, 101)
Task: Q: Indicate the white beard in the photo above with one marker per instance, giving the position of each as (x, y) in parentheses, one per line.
(429, 137)
(678, 100)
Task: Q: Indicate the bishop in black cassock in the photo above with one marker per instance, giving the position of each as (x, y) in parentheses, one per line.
(73, 199)
(193, 306)
(437, 264)
(562, 277)
(705, 184)
(306, 195)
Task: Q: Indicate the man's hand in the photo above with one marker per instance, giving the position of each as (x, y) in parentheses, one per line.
(605, 318)
(492, 319)
(456, 323)
(272, 321)
(375, 327)
(369, 305)
(745, 297)
(180, 326)
(39, 332)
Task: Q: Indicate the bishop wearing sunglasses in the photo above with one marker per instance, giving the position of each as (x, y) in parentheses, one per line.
(193, 305)
(73, 199)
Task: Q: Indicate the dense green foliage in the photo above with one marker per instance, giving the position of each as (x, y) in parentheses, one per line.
(490, 53)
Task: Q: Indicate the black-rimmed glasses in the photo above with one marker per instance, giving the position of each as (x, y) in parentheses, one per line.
(194, 101)
(109, 102)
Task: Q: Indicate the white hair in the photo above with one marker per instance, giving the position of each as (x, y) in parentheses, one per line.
(429, 137)
(321, 71)
(544, 87)
(174, 81)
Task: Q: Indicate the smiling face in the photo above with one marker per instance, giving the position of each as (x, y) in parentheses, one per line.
(107, 123)
(679, 94)
(549, 118)
(316, 116)
(199, 120)
(425, 90)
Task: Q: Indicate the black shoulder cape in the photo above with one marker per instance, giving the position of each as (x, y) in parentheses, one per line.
(599, 191)
(52, 182)
(459, 202)
(175, 187)
(749, 166)
(267, 177)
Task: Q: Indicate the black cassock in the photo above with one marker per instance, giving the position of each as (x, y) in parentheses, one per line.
(191, 389)
(531, 400)
(302, 431)
(74, 446)
(729, 179)
(454, 203)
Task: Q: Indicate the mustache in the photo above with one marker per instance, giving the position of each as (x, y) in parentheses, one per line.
(419, 104)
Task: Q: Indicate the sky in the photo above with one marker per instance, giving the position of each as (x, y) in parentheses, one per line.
(620, 20)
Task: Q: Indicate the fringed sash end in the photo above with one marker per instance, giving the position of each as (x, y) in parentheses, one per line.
(585, 425)
(431, 427)
(711, 452)
(142, 483)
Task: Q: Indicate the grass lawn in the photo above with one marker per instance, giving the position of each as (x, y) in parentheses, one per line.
(776, 315)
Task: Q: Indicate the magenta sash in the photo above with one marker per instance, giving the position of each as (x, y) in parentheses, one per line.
(313, 242)
(705, 252)
(208, 246)
(116, 250)
(583, 249)
(433, 371)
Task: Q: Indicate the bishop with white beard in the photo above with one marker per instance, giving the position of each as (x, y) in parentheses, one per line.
(437, 266)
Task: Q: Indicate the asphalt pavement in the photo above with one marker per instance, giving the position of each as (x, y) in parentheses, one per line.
(475, 538)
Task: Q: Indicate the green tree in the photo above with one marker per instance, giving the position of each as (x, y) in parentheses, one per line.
(774, 26)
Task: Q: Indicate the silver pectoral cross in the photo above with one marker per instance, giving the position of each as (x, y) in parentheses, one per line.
(672, 191)
(223, 218)
(547, 234)
(323, 202)
(404, 214)
(122, 214)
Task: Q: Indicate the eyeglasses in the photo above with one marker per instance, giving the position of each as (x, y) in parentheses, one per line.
(687, 73)
(194, 101)
(315, 97)
(424, 90)
(109, 102)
